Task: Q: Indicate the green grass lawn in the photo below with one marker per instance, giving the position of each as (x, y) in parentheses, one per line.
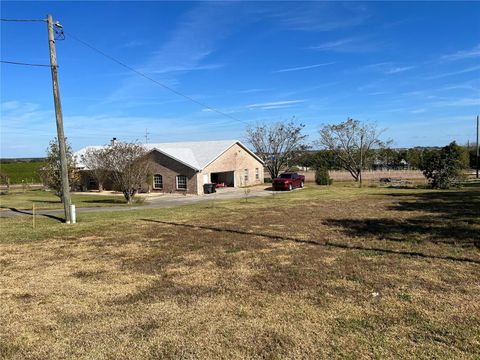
(324, 272)
(24, 200)
(26, 172)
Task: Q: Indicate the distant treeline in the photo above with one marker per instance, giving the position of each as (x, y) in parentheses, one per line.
(23, 160)
(394, 159)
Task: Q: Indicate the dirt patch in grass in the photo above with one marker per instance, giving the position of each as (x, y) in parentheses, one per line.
(267, 279)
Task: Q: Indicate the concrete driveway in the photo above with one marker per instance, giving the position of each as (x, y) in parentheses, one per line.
(154, 201)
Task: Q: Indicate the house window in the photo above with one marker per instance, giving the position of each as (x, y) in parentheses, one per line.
(181, 182)
(157, 181)
(245, 175)
(92, 183)
(257, 174)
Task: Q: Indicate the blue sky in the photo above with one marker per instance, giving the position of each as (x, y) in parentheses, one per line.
(412, 67)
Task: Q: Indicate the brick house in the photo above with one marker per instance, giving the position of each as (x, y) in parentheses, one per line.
(184, 167)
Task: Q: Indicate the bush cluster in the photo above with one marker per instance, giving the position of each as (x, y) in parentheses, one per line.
(322, 177)
(444, 168)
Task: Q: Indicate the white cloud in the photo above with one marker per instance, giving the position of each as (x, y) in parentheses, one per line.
(418, 111)
(333, 45)
(462, 54)
(462, 86)
(9, 105)
(315, 15)
(348, 45)
(32, 126)
(458, 102)
(303, 67)
(375, 93)
(275, 104)
(271, 107)
(388, 67)
(187, 49)
(133, 43)
(254, 90)
(399, 69)
(179, 68)
(24, 114)
(458, 72)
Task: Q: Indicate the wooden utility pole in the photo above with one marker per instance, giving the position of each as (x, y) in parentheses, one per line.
(361, 159)
(478, 145)
(59, 119)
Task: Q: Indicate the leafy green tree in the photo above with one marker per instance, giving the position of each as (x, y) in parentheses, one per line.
(326, 159)
(317, 159)
(414, 157)
(444, 167)
(390, 158)
(305, 159)
(51, 173)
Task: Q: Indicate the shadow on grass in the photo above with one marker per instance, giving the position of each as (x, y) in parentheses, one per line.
(449, 217)
(166, 289)
(104, 201)
(46, 201)
(315, 242)
(409, 230)
(270, 188)
(462, 204)
(45, 215)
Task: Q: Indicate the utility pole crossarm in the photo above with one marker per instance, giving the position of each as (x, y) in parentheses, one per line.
(59, 121)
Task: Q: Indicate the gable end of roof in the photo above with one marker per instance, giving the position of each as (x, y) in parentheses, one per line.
(236, 142)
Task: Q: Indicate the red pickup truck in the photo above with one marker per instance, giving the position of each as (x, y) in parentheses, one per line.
(288, 181)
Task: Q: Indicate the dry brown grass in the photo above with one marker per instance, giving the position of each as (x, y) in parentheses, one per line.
(266, 279)
(369, 175)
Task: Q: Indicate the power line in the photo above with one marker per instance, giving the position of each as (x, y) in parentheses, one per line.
(153, 80)
(125, 66)
(21, 63)
(23, 20)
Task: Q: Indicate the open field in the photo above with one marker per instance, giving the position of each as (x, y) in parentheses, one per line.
(22, 171)
(372, 176)
(23, 200)
(324, 272)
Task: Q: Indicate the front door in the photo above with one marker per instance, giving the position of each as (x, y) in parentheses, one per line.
(206, 179)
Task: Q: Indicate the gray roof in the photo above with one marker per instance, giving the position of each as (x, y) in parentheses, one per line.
(78, 155)
(194, 154)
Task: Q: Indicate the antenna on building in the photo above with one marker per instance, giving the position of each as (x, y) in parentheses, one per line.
(146, 136)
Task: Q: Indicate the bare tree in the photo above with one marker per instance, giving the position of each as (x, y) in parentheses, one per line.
(277, 143)
(352, 143)
(126, 163)
(95, 162)
(51, 173)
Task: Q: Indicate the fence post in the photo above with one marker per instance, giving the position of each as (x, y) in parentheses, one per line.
(73, 214)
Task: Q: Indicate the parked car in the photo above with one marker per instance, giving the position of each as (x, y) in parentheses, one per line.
(288, 181)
